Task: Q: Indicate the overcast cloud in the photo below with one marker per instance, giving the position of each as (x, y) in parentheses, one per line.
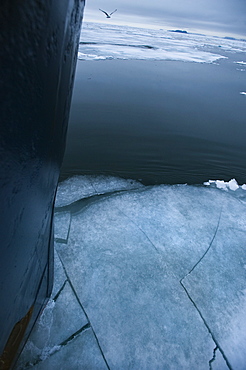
(225, 17)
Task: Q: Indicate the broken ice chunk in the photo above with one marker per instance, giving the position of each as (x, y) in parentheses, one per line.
(59, 275)
(79, 187)
(61, 225)
(233, 185)
(221, 184)
(59, 320)
(72, 189)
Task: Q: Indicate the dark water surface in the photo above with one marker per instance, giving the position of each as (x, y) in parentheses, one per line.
(159, 121)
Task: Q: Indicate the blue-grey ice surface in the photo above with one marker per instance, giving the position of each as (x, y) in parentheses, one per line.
(146, 277)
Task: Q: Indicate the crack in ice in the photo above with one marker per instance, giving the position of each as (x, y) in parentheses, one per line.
(139, 228)
(195, 305)
(210, 244)
(213, 358)
(60, 291)
(85, 313)
(49, 351)
(74, 335)
(207, 326)
(83, 203)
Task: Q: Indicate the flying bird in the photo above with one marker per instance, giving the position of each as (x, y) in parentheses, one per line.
(108, 15)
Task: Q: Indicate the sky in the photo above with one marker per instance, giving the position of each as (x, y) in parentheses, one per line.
(217, 17)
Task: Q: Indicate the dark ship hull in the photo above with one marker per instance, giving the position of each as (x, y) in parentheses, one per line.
(38, 47)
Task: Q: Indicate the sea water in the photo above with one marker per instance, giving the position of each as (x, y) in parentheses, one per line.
(160, 106)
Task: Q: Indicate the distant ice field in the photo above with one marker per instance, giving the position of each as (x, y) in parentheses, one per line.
(102, 41)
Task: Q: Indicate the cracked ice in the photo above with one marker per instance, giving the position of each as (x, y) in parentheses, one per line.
(145, 277)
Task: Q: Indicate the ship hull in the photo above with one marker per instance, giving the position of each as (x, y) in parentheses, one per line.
(38, 47)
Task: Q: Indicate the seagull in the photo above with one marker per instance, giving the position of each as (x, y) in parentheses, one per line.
(108, 15)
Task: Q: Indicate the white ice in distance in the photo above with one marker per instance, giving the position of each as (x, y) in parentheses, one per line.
(123, 42)
(241, 63)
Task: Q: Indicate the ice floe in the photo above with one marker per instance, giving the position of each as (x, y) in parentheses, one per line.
(148, 277)
(241, 63)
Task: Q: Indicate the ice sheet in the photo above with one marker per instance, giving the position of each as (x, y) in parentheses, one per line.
(159, 273)
(136, 305)
(136, 247)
